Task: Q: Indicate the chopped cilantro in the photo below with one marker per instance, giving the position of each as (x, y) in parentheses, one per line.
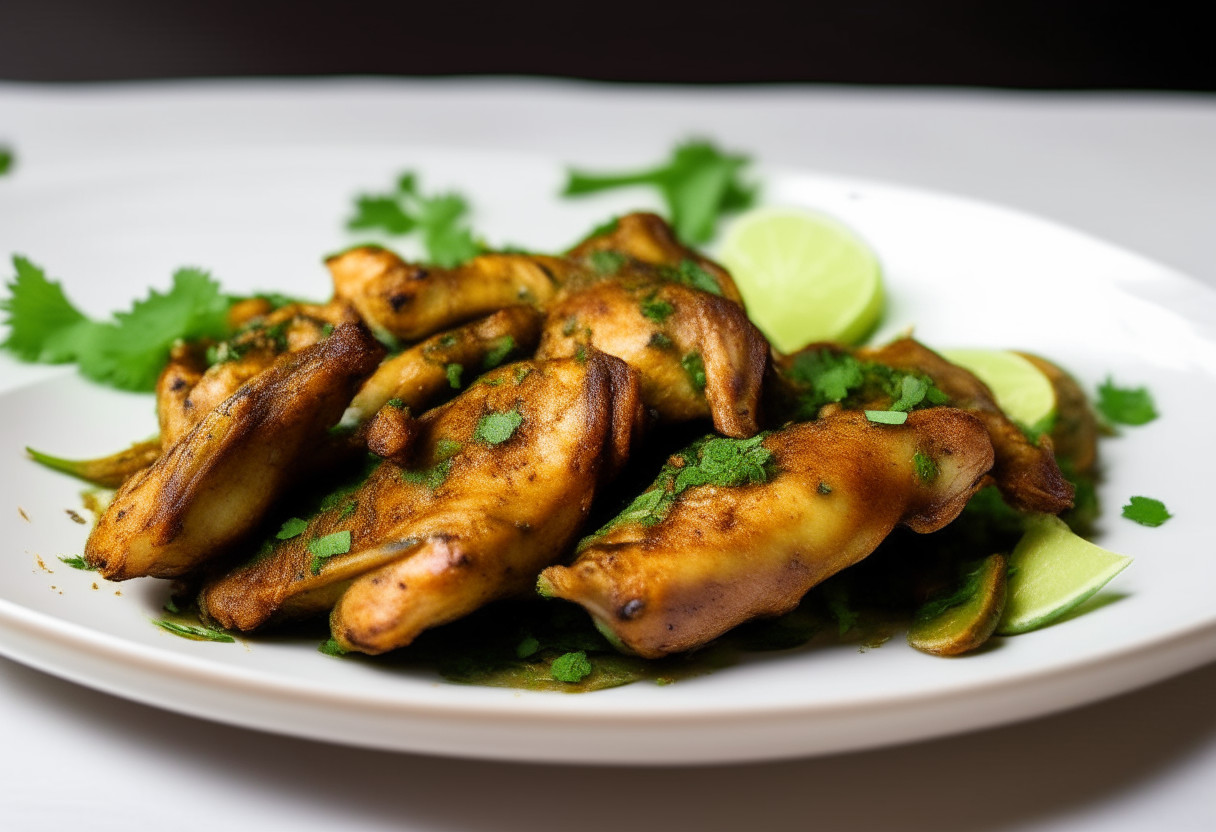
(1125, 405)
(926, 469)
(447, 448)
(521, 373)
(291, 528)
(128, 353)
(330, 647)
(887, 417)
(607, 262)
(396, 404)
(432, 477)
(695, 368)
(659, 341)
(712, 460)
(912, 392)
(496, 428)
(498, 352)
(440, 219)
(821, 377)
(527, 647)
(194, 632)
(1146, 511)
(454, 372)
(321, 548)
(569, 326)
(580, 353)
(78, 562)
(348, 510)
(693, 275)
(657, 310)
(571, 667)
(6, 160)
(824, 488)
(699, 183)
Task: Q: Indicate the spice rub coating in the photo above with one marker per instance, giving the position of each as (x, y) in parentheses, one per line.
(722, 555)
(213, 486)
(499, 484)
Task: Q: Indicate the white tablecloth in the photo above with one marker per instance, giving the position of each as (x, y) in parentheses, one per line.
(1138, 170)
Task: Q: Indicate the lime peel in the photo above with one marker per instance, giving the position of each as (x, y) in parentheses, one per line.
(804, 276)
(1053, 572)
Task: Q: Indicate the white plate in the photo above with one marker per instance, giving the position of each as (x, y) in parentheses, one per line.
(964, 273)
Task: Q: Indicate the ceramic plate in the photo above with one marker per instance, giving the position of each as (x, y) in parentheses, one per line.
(961, 272)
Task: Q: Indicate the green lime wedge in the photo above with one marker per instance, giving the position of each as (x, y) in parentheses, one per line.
(1021, 389)
(804, 276)
(1053, 571)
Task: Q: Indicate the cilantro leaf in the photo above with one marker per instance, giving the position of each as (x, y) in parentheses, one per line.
(571, 667)
(6, 160)
(496, 428)
(292, 527)
(440, 219)
(382, 212)
(38, 316)
(887, 417)
(498, 352)
(454, 372)
(699, 183)
(1146, 511)
(694, 367)
(1125, 405)
(325, 547)
(432, 477)
(78, 562)
(330, 647)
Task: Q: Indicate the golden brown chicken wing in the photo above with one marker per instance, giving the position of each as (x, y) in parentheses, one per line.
(214, 485)
(697, 354)
(733, 530)
(412, 302)
(502, 479)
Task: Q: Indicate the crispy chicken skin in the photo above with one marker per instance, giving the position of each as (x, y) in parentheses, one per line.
(482, 508)
(648, 238)
(213, 486)
(697, 354)
(420, 375)
(412, 302)
(724, 555)
(188, 389)
(1026, 474)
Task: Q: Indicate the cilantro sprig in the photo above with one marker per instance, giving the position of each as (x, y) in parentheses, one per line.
(1125, 405)
(820, 377)
(1146, 511)
(699, 183)
(128, 352)
(441, 220)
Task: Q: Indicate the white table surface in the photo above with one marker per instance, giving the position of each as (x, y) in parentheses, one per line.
(1139, 170)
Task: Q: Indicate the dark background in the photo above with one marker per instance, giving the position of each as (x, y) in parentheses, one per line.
(977, 43)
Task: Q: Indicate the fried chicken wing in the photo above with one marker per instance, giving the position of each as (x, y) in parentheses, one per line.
(701, 552)
(425, 371)
(200, 376)
(411, 302)
(501, 480)
(1026, 474)
(647, 238)
(697, 354)
(213, 486)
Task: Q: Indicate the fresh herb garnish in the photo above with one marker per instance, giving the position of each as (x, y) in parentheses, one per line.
(447, 448)
(321, 548)
(395, 404)
(926, 469)
(695, 368)
(498, 352)
(571, 667)
(432, 477)
(691, 274)
(527, 646)
(78, 562)
(292, 527)
(656, 310)
(712, 460)
(1146, 511)
(521, 373)
(887, 417)
(607, 261)
(1125, 405)
(659, 341)
(496, 428)
(128, 353)
(194, 632)
(330, 647)
(454, 372)
(700, 184)
(441, 220)
(824, 488)
(6, 160)
(822, 377)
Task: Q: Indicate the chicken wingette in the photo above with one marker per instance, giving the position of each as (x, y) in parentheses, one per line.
(500, 483)
(214, 485)
(697, 354)
(738, 529)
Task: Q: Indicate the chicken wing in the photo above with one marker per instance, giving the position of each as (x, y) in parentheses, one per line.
(502, 479)
(213, 486)
(733, 530)
(411, 302)
(697, 354)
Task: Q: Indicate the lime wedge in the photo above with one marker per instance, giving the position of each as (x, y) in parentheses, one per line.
(1053, 571)
(1021, 389)
(804, 277)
